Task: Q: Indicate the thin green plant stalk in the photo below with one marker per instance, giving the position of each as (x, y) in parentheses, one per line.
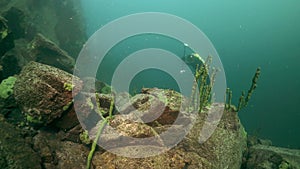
(93, 148)
(102, 125)
(110, 115)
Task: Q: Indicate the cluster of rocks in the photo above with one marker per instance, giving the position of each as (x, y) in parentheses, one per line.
(39, 99)
(50, 32)
(53, 136)
(41, 93)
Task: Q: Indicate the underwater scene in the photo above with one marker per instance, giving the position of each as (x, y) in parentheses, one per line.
(111, 84)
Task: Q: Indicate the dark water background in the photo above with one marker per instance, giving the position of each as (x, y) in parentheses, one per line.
(246, 35)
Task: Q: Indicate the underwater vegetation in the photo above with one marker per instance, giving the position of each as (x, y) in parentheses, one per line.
(204, 83)
(6, 87)
(243, 100)
(101, 127)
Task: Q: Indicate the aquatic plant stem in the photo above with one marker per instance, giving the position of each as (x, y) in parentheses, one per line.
(102, 125)
(93, 148)
(253, 86)
(244, 99)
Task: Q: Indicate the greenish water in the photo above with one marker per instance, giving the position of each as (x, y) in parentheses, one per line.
(246, 35)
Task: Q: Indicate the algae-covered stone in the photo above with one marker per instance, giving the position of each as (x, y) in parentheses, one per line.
(224, 148)
(41, 94)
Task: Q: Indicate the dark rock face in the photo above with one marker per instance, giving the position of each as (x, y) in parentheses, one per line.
(59, 21)
(56, 154)
(15, 152)
(47, 52)
(43, 92)
(269, 157)
(6, 37)
(10, 63)
(16, 18)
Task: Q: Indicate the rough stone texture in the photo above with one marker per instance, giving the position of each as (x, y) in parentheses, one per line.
(174, 159)
(57, 154)
(223, 149)
(270, 157)
(41, 92)
(15, 151)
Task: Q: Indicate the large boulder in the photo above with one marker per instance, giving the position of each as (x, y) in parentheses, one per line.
(44, 92)
(223, 149)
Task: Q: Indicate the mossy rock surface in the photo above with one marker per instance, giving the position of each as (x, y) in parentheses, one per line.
(41, 94)
(223, 148)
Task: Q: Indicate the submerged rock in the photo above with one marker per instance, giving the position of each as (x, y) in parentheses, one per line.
(44, 93)
(6, 37)
(45, 51)
(223, 149)
(16, 22)
(270, 157)
(60, 21)
(15, 152)
(58, 154)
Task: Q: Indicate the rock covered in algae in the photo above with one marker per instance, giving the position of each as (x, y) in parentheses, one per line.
(223, 149)
(163, 105)
(44, 93)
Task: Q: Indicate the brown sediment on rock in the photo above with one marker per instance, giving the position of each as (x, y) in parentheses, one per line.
(41, 91)
(224, 148)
